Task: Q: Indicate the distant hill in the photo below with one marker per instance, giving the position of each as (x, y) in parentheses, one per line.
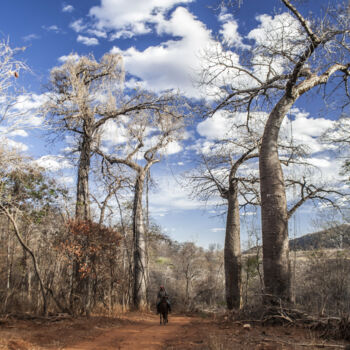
(335, 237)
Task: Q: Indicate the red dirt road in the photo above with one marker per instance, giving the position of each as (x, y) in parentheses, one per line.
(135, 331)
(145, 333)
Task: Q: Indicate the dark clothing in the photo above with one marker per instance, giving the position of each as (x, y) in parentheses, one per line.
(163, 294)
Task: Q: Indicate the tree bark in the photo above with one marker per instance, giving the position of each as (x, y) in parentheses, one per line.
(232, 251)
(82, 212)
(82, 208)
(140, 263)
(274, 214)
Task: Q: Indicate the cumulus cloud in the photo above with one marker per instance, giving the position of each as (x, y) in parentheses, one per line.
(135, 16)
(87, 41)
(15, 145)
(307, 130)
(19, 132)
(172, 148)
(226, 125)
(281, 33)
(216, 127)
(22, 115)
(67, 8)
(171, 195)
(53, 163)
(25, 110)
(72, 56)
(114, 133)
(172, 63)
(78, 25)
(229, 31)
(98, 33)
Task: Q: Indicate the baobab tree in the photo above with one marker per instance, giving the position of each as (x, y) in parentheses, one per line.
(229, 169)
(149, 135)
(290, 57)
(220, 173)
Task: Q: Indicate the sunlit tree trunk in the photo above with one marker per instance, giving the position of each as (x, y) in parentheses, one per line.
(82, 208)
(274, 214)
(232, 251)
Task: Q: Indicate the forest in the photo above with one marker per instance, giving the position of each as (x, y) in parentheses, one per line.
(71, 254)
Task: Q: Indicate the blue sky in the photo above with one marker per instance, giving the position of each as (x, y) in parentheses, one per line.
(162, 42)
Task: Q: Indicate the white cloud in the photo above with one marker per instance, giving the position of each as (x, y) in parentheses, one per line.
(53, 163)
(18, 132)
(216, 127)
(307, 130)
(67, 8)
(53, 28)
(11, 144)
(226, 125)
(172, 63)
(172, 148)
(65, 180)
(281, 33)
(87, 41)
(114, 133)
(229, 31)
(73, 56)
(320, 162)
(133, 16)
(122, 34)
(30, 37)
(78, 25)
(23, 115)
(171, 195)
(26, 108)
(217, 229)
(98, 33)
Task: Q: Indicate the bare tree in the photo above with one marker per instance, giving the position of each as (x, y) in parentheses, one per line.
(297, 56)
(82, 96)
(219, 173)
(148, 134)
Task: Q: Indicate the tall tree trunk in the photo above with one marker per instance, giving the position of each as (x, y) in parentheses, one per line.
(82, 207)
(232, 251)
(274, 215)
(140, 263)
(82, 212)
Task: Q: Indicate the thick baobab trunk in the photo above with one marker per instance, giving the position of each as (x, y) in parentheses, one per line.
(140, 263)
(274, 215)
(82, 208)
(232, 251)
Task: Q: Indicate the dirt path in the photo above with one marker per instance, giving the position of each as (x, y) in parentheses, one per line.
(135, 331)
(144, 333)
